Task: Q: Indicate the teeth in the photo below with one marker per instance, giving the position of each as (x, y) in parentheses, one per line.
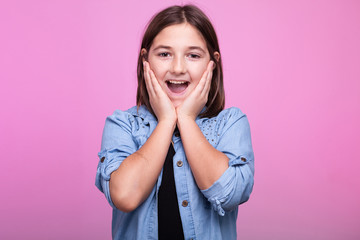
(177, 82)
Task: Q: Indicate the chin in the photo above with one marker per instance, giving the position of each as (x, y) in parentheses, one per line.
(177, 103)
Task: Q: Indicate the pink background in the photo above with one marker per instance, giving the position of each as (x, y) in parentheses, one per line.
(292, 66)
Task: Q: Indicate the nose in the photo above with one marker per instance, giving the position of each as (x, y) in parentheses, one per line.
(178, 65)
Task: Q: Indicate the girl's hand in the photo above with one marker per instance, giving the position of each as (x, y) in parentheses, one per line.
(159, 101)
(197, 99)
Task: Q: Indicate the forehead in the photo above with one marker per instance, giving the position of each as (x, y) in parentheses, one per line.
(179, 35)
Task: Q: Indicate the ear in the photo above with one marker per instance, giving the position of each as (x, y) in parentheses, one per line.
(217, 56)
(143, 53)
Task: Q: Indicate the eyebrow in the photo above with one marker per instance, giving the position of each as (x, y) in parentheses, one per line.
(190, 47)
(197, 48)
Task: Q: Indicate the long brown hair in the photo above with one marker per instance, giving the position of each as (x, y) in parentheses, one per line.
(194, 16)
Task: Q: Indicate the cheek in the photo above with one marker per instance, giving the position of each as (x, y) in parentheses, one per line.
(197, 72)
(158, 69)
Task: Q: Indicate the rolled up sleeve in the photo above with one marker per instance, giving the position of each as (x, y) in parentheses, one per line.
(116, 145)
(235, 185)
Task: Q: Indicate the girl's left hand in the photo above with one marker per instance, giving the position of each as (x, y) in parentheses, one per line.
(195, 102)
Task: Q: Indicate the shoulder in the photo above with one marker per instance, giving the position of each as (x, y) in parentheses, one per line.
(132, 114)
(230, 113)
(121, 114)
(133, 121)
(118, 118)
(134, 124)
(230, 117)
(215, 127)
(226, 115)
(118, 114)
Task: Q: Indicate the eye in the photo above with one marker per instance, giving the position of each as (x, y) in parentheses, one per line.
(164, 54)
(192, 55)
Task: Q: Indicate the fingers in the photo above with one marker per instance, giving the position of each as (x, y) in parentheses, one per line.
(202, 83)
(156, 86)
(148, 83)
(203, 78)
(195, 102)
(207, 79)
(152, 83)
(159, 101)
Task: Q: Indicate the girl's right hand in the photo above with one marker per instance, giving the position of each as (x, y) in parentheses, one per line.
(159, 101)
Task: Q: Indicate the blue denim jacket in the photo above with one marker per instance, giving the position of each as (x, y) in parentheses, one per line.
(209, 213)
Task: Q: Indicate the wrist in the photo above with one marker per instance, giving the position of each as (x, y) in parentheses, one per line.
(185, 120)
(167, 122)
(185, 115)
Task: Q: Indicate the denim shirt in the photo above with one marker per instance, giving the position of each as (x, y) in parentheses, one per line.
(205, 214)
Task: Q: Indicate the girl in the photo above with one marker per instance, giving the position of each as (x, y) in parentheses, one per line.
(177, 165)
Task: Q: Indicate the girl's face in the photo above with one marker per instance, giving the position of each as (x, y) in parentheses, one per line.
(178, 57)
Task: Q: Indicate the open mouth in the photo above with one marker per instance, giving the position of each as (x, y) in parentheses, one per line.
(177, 86)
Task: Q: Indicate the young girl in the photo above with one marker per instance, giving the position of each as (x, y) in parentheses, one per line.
(177, 165)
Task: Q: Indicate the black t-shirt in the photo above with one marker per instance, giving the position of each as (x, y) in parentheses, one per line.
(169, 220)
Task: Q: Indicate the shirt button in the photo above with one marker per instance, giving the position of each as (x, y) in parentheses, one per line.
(102, 159)
(179, 163)
(177, 134)
(184, 203)
(243, 159)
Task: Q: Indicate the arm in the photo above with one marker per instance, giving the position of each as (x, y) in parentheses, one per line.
(133, 181)
(123, 168)
(207, 163)
(235, 185)
(225, 173)
(230, 184)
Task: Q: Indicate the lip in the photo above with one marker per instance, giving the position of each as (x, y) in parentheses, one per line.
(176, 81)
